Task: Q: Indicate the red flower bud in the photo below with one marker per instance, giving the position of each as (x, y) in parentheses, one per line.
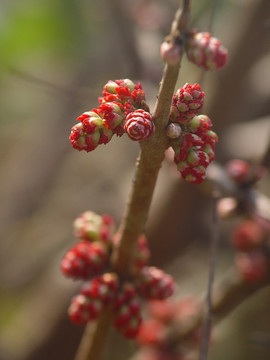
(139, 125)
(253, 267)
(247, 236)
(154, 283)
(84, 259)
(171, 53)
(206, 51)
(187, 103)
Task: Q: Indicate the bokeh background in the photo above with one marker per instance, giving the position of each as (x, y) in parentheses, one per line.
(55, 57)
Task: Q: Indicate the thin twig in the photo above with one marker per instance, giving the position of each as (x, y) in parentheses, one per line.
(126, 33)
(212, 12)
(212, 265)
(212, 15)
(30, 78)
(67, 91)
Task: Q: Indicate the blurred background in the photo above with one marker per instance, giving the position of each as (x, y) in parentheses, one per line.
(55, 57)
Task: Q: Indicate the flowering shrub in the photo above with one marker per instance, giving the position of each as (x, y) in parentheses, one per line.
(115, 263)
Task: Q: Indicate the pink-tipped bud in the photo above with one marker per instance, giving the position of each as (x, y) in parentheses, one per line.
(84, 259)
(84, 309)
(194, 175)
(139, 125)
(110, 87)
(80, 140)
(247, 236)
(206, 51)
(153, 283)
(187, 103)
(200, 124)
(89, 132)
(105, 135)
(171, 53)
(197, 157)
(103, 287)
(253, 267)
(126, 92)
(112, 113)
(239, 170)
(86, 226)
(92, 227)
(173, 130)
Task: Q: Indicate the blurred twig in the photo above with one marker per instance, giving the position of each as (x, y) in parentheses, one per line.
(212, 265)
(127, 36)
(67, 91)
(30, 78)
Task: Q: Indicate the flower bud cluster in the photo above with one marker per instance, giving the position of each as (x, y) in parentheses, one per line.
(149, 283)
(194, 149)
(130, 95)
(92, 227)
(166, 317)
(84, 259)
(121, 98)
(90, 131)
(250, 237)
(94, 296)
(154, 283)
(89, 260)
(91, 253)
(206, 51)
(187, 102)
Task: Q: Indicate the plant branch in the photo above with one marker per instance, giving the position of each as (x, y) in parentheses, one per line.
(212, 265)
(148, 166)
(92, 349)
(230, 292)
